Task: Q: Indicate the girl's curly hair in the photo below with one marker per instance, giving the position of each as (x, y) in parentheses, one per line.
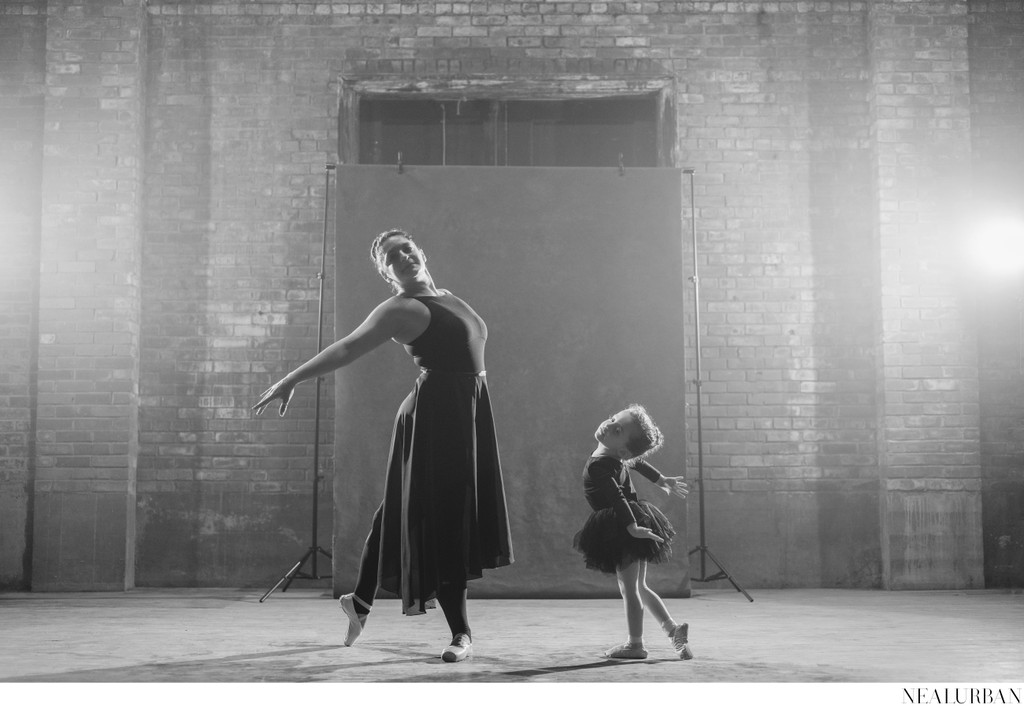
(650, 438)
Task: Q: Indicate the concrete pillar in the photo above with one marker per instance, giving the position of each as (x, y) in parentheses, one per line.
(928, 417)
(88, 359)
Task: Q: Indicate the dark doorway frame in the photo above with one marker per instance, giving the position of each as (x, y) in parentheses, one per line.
(554, 88)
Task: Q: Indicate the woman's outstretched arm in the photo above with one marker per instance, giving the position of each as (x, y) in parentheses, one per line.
(396, 318)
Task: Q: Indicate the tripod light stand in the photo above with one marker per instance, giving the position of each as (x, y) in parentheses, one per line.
(702, 549)
(314, 549)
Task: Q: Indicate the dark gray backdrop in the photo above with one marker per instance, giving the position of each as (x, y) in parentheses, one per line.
(579, 275)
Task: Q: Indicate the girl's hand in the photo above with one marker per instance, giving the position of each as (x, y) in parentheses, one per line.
(675, 485)
(283, 389)
(643, 532)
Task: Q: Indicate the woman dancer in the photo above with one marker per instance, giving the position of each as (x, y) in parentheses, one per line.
(443, 518)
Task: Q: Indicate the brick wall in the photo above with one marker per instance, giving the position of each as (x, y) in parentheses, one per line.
(770, 96)
(22, 52)
(773, 118)
(841, 387)
(243, 116)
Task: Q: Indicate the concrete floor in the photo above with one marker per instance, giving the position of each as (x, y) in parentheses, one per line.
(890, 640)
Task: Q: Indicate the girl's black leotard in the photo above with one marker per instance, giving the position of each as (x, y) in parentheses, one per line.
(604, 541)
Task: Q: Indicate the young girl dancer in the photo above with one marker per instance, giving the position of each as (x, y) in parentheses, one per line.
(624, 534)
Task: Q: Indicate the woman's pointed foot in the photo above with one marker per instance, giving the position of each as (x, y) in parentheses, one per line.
(356, 621)
(460, 649)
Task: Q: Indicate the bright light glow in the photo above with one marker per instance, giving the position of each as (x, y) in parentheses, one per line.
(997, 246)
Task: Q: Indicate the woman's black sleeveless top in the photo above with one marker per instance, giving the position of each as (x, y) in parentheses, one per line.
(454, 340)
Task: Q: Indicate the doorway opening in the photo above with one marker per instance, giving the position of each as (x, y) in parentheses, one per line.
(555, 122)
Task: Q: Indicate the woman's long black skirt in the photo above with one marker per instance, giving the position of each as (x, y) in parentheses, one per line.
(444, 513)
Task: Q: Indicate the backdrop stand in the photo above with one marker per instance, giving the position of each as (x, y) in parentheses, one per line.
(314, 550)
(702, 549)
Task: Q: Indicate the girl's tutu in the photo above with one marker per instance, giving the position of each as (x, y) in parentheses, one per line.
(606, 544)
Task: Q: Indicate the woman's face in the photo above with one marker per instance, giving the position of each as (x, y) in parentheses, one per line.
(401, 260)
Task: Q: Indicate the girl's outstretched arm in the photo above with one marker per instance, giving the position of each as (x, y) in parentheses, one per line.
(669, 485)
(675, 485)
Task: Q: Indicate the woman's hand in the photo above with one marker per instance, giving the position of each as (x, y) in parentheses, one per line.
(675, 485)
(283, 389)
(643, 532)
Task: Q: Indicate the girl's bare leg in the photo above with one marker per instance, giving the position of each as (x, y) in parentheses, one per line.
(677, 633)
(628, 578)
(653, 602)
